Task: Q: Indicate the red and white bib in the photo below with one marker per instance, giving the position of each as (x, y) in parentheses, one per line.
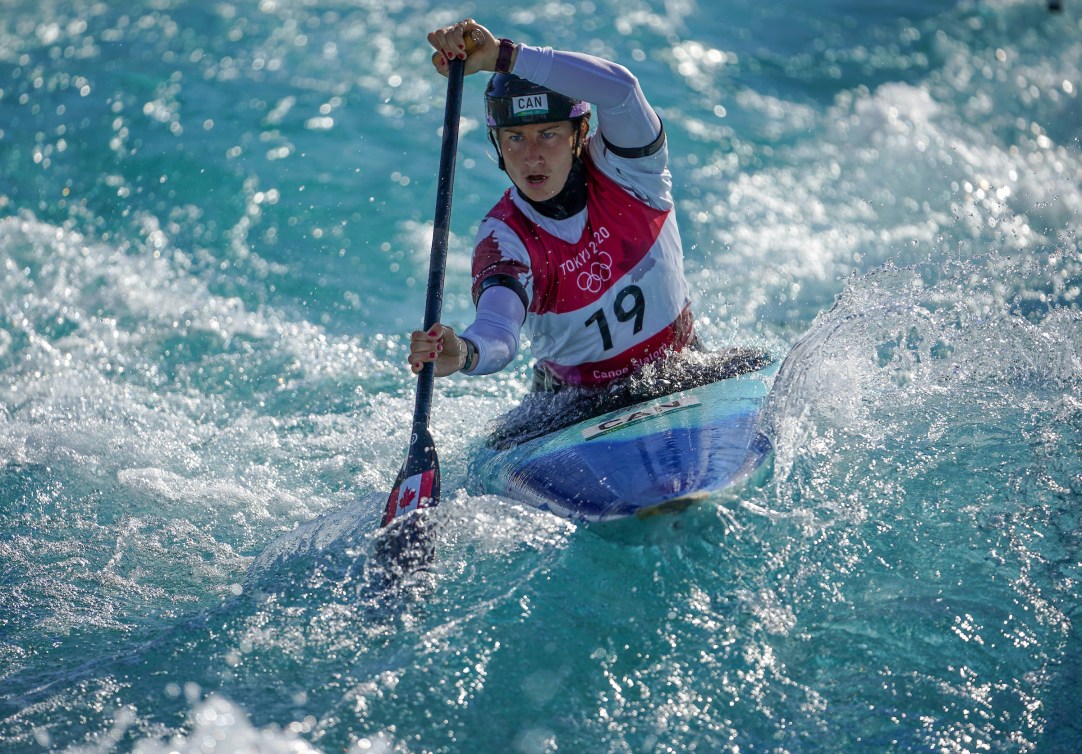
(605, 303)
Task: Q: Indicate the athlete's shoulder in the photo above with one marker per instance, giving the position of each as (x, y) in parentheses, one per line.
(500, 237)
(646, 178)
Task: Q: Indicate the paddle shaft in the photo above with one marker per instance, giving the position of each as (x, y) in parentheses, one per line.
(441, 226)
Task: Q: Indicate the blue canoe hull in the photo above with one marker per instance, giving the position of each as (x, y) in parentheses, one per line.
(656, 456)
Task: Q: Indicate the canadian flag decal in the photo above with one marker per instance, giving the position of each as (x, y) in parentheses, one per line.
(413, 493)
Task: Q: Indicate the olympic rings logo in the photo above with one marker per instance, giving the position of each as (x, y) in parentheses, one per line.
(599, 273)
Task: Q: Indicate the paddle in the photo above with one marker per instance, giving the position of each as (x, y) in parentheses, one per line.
(418, 483)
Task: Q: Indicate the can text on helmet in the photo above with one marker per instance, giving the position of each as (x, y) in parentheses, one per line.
(530, 104)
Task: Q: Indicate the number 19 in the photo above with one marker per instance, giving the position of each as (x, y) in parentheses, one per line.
(637, 312)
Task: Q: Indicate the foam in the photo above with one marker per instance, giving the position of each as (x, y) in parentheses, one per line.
(221, 725)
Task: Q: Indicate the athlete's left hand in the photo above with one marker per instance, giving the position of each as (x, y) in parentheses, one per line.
(439, 344)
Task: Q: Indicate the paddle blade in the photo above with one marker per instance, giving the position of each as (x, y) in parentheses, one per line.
(418, 483)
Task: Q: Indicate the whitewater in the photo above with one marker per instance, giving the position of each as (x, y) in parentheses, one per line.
(214, 235)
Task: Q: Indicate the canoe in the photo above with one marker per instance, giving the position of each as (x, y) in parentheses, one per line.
(658, 455)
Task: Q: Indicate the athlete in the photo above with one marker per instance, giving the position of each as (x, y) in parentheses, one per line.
(583, 249)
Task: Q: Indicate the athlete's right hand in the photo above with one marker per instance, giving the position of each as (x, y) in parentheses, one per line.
(467, 40)
(439, 344)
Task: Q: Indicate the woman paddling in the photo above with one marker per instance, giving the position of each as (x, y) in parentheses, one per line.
(584, 248)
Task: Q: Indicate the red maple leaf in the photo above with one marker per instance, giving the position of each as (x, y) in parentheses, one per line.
(406, 498)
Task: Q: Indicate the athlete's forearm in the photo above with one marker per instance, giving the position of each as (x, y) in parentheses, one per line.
(624, 115)
(495, 329)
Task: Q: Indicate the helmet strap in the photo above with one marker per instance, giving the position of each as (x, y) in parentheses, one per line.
(496, 146)
(582, 126)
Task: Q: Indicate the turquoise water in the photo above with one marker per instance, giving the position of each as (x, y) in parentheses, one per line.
(214, 226)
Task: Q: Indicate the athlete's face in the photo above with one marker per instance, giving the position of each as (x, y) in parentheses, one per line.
(538, 157)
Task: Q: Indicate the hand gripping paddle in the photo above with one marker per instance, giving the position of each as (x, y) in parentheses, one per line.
(418, 483)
